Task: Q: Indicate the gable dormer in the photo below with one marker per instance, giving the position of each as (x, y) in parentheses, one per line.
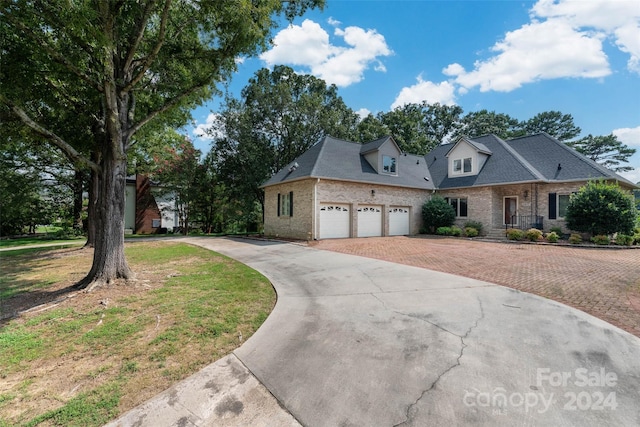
(382, 154)
(466, 158)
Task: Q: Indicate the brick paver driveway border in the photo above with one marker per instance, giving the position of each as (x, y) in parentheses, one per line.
(602, 282)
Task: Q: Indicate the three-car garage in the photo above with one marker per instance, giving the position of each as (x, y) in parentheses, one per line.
(335, 220)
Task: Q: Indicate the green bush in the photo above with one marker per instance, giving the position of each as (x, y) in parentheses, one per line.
(636, 237)
(575, 239)
(601, 239)
(443, 231)
(624, 239)
(471, 232)
(456, 231)
(601, 208)
(437, 213)
(552, 237)
(534, 234)
(515, 234)
(474, 224)
(557, 230)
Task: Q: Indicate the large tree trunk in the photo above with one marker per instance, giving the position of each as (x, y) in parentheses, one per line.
(109, 262)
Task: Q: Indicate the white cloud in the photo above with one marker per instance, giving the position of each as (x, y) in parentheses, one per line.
(205, 131)
(443, 93)
(620, 20)
(537, 51)
(631, 137)
(333, 22)
(563, 40)
(363, 112)
(308, 46)
(628, 136)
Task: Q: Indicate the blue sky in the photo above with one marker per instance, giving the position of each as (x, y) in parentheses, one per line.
(515, 57)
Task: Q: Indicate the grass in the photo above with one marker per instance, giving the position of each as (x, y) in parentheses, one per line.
(25, 241)
(94, 356)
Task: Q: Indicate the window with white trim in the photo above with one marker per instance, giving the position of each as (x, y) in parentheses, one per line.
(285, 204)
(461, 166)
(460, 205)
(389, 164)
(563, 202)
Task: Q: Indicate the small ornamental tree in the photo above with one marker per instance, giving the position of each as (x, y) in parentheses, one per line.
(601, 208)
(437, 213)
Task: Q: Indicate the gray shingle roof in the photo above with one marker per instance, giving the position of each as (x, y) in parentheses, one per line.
(546, 153)
(533, 158)
(333, 158)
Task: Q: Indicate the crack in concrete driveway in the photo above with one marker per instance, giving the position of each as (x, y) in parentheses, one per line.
(409, 355)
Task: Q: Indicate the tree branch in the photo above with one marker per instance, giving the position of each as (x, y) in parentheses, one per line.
(154, 53)
(66, 148)
(172, 103)
(139, 33)
(55, 54)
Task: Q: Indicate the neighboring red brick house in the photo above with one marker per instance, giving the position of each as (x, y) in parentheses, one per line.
(146, 212)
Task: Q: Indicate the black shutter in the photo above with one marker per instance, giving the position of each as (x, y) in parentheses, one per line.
(278, 204)
(552, 205)
(290, 203)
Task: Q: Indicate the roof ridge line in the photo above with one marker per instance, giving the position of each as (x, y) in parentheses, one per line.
(315, 163)
(535, 172)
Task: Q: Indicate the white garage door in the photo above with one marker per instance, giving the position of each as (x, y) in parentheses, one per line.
(334, 221)
(398, 221)
(369, 221)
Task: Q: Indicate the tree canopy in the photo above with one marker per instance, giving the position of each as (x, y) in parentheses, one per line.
(281, 114)
(606, 150)
(118, 66)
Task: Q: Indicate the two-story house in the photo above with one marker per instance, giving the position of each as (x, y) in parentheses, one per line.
(343, 189)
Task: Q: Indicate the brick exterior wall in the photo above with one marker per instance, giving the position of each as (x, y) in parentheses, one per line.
(311, 192)
(485, 204)
(146, 207)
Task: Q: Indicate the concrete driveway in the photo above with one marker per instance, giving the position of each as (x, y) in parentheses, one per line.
(355, 341)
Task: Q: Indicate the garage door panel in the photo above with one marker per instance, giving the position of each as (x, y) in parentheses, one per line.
(369, 221)
(334, 221)
(398, 221)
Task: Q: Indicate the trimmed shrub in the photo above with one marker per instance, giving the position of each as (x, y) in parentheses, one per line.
(456, 231)
(443, 231)
(552, 237)
(624, 239)
(557, 230)
(601, 208)
(471, 232)
(474, 224)
(575, 239)
(515, 234)
(437, 213)
(601, 239)
(534, 235)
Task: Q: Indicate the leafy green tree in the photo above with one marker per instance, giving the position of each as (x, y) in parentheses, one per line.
(121, 65)
(606, 150)
(556, 124)
(601, 208)
(281, 114)
(436, 212)
(485, 122)
(418, 128)
(370, 128)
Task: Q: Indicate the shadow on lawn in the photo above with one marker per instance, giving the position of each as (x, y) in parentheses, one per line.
(20, 295)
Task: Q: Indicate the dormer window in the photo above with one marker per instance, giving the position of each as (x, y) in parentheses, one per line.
(462, 165)
(389, 165)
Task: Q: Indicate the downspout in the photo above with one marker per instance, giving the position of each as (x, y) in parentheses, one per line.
(314, 220)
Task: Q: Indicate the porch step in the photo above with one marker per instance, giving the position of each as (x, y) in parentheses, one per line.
(495, 234)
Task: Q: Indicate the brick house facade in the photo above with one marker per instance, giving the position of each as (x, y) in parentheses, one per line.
(342, 189)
